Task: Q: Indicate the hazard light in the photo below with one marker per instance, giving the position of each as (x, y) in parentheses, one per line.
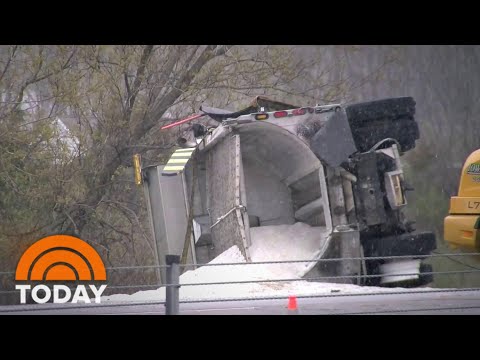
(261, 116)
(280, 114)
(302, 111)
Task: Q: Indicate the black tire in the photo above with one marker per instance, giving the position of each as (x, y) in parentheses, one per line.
(411, 244)
(385, 109)
(404, 130)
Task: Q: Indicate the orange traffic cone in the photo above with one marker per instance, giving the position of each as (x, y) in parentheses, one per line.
(292, 305)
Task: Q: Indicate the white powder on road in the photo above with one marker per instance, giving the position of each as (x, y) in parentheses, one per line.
(208, 274)
(299, 241)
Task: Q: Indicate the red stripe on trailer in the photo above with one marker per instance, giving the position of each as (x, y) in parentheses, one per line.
(190, 118)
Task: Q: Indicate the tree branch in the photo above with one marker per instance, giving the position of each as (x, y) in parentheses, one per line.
(146, 55)
(10, 58)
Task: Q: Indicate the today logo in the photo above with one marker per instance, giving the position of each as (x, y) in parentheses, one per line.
(60, 258)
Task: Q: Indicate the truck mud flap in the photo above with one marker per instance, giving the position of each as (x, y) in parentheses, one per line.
(333, 143)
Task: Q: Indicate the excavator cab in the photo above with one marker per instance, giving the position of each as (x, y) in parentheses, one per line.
(461, 226)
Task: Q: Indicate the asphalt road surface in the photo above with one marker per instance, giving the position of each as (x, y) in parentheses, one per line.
(455, 303)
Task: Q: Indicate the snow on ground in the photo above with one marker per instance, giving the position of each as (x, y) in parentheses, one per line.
(208, 274)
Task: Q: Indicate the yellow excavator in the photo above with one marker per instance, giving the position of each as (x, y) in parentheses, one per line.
(462, 225)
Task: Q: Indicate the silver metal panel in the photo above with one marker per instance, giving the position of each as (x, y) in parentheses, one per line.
(157, 218)
(152, 231)
(243, 201)
(349, 241)
(326, 201)
(167, 211)
(187, 206)
(223, 183)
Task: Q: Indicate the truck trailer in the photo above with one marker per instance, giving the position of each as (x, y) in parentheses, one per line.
(329, 176)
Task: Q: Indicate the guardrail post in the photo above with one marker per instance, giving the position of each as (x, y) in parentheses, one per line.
(173, 278)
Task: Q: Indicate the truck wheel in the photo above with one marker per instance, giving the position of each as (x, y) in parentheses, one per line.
(422, 273)
(383, 109)
(404, 130)
(371, 122)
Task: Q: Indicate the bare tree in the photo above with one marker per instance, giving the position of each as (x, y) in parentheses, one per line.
(72, 116)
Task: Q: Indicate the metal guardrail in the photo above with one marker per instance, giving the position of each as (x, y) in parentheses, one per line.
(398, 257)
(155, 302)
(173, 285)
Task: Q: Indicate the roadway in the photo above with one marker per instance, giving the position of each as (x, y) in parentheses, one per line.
(455, 303)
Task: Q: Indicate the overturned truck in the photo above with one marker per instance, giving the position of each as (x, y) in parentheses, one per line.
(273, 178)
